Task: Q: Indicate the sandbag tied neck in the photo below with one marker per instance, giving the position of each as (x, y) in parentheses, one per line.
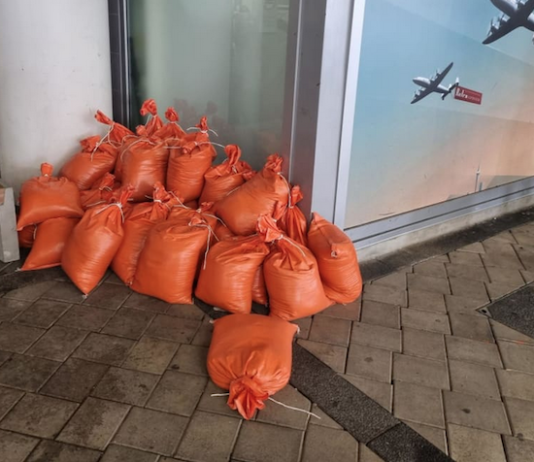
(46, 169)
(246, 396)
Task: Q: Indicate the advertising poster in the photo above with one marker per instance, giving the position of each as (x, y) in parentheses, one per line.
(445, 103)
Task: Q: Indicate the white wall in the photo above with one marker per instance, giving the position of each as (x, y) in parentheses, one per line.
(54, 75)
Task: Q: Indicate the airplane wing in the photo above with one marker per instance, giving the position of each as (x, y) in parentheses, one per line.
(505, 26)
(439, 78)
(422, 93)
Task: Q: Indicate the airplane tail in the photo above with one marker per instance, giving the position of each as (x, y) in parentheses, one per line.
(451, 88)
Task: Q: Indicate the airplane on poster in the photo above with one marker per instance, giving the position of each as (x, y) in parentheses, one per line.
(433, 85)
(515, 14)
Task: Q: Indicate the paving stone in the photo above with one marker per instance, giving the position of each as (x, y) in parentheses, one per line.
(366, 455)
(26, 372)
(506, 237)
(526, 255)
(502, 332)
(128, 323)
(14, 447)
(504, 257)
(208, 437)
(380, 392)
(472, 445)
(395, 280)
(58, 343)
(422, 371)
(104, 349)
(108, 296)
(151, 355)
(125, 386)
(464, 305)
(52, 451)
(380, 314)
(74, 380)
(116, 453)
(95, 423)
(505, 276)
(203, 336)
(151, 431)
(329, 445)
(191, 359)
(17, 338)
(497, 290)
(468, 289)
(330, 330)
(304, 327)
(476, 412)
(423, 344)
(146, 303)
(516, 384)
(177, 393)
(215, 404)
(278, 415)
(186, 312)
(174, 329)
(418, 404)
(350, 311)
(430, 268)
(325, 420)
(465, 258)
(467, 272)
(38, 415)
(472, 327)
(518, 450)
(473, 351)
(4, 356)
(43, 313)
(424, 320)
(369, 362)
(426, 301)
(428, 284)
(517, 357)
(334, 356)
(528, 276)
(383, 294)
(473, 379)
(436, 436)
(376, 336)
(10, 308)
(476, 247)
(64, 291)
(521, 415)
(260, 442)
(30, 292)
(85, 317)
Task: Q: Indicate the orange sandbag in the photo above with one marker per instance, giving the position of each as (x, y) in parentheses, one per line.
(50, 239)
(192, 204)
(291, 276)
(26, 236)
(100, 193)
(94, 160)
(155, 123)
(337, 260)
(293, 221)
(168, 263)
(224, 178)
(222, 232)
(144, 163)
(44, 197)
(259, 291)
(188, 164)
(93, 243)
(241, 209)
(140, 221)
(227, 276)
(250, 355)
(116, 132)
(171, 131)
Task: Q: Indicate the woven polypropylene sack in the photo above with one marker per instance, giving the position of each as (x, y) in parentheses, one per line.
(100, 193)
(259, 291)
(26, 236)
(293, 222)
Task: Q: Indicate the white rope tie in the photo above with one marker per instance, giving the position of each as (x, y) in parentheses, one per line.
(96, 203)
(210, 233)
(203, 131)
(97, 145)
(178, 199)
(146, 140)
(117, 204)
(282, 237)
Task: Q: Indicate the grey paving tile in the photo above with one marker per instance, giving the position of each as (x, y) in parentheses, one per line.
(104, 349)
(174, 329)
(190, 359)
(509, 277)
(329, 445)
(10, 308)
(383, 294)
(395, 280)
(517, 357)
(27, 372)
(516, 384)
(422, 371)
(94, 424)
(473, 351)
(208, 437)
(116, 453)
(521, 415)
(350, 311)
(325, 420)
(369, 362)
(262, 442)
(14, 447)
(203, 336)
(108, 296)
(74, 379)
(85, 317)
(476, 247)
(128, 323)
(152, 431)
(4, 356)
(473, 379)
(426, 301)
(436, 436)
(39, 416)
(43, 313)
(186, 312)
(424, 320)
(177, 393)
(468, 289)
(468, 272)
(465, 258)
(498, 290)
(502, 332)
(17, 338)
(52, 451)
(518, 450)
(146, 303)
(381, 314)
(418, 404)
(330, 330)
(472, 327)
(504, 257)
(304, 327)
(125, 386)
(469, 444)
(429, 284)
(278, 415)
(464, 305)
(366, 455)
(431, 268)
(476, 411)
(64, 291)
(58, 343)
(334, 356)
(8, 398)
(151, 355)
(376, 336)
(30, 292)
(215, 404)
(423, 344)
(528, 276)
(380, 392)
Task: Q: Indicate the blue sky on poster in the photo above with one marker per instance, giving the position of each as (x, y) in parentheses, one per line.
(409, 156)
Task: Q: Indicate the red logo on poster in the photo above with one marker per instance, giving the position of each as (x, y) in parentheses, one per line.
(469, 96)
